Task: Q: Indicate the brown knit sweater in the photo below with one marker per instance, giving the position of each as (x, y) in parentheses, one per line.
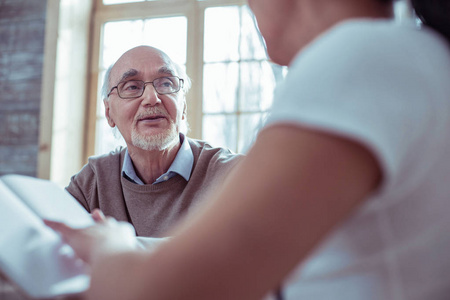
(152, 209)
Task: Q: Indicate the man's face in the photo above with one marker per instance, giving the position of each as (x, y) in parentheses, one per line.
(152, 121)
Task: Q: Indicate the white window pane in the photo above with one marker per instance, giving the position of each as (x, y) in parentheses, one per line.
(100, 105)
(252, 44)
(220, 130)
(169, 35)
(257, 85)
(109, 2)
(220, 83)
(105, 139)
(119, 37)
(249, 126)
(247, 95)
(221, 34)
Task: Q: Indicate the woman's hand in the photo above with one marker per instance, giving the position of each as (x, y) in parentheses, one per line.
(107, 236)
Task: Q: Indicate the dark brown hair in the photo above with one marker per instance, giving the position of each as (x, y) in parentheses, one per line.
(432, 13)
(435, 14)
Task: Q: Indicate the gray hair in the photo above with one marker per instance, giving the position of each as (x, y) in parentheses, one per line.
(106, 83)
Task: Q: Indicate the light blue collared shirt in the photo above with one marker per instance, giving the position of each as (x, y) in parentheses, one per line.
(181, 165)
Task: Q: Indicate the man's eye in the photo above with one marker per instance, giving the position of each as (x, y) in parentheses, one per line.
(130, 86)
(165, 83)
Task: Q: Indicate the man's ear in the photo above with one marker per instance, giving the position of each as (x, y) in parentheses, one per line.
(107, 115)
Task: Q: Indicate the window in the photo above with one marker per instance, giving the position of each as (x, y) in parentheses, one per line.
(232, 80)
(238, 81)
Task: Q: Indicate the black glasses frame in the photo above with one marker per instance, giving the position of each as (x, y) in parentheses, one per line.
(180, 85)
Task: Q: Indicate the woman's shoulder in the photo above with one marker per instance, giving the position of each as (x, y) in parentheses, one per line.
(369, 39)
(356, 38)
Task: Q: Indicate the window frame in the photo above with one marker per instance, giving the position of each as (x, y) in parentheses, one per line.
(78, 23)
(193, 10)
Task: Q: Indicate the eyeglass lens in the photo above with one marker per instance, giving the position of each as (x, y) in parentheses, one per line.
(135, 88)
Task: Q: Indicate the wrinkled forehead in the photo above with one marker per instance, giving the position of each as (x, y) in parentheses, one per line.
(142, 64)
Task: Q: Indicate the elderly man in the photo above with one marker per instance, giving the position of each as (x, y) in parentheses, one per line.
(161, 174)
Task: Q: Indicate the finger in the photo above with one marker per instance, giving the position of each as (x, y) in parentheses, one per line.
(60, 227)
(98, 215)
(53, 224)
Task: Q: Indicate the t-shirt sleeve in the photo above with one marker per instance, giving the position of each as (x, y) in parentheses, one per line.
(361, 86)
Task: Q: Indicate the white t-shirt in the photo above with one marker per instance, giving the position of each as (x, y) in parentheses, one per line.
(387, 86)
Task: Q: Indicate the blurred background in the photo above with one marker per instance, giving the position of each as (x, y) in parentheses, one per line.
(53, 55)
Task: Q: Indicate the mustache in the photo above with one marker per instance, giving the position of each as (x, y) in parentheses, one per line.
(150, 112)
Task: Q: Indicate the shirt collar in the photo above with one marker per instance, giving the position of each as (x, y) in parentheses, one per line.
(182, 164)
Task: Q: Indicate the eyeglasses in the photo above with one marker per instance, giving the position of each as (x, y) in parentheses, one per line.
(135, 88)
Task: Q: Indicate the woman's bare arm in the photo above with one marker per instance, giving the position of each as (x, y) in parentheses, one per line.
(294, 186)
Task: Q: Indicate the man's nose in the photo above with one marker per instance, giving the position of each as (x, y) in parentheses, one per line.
(150, 96)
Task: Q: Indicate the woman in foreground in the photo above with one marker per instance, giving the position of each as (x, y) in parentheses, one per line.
(344, 195)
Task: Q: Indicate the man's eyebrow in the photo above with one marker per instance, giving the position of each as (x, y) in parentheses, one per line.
(166, 70)
(128, 74)
(133, 72)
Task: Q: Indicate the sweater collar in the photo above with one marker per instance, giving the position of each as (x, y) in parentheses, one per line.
(181, 165)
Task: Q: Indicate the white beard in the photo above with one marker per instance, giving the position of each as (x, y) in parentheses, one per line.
(159, 142)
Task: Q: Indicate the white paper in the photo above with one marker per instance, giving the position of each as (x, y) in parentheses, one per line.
(31, 254)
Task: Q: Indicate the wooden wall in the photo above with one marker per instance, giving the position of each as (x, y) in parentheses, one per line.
(22, 36)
